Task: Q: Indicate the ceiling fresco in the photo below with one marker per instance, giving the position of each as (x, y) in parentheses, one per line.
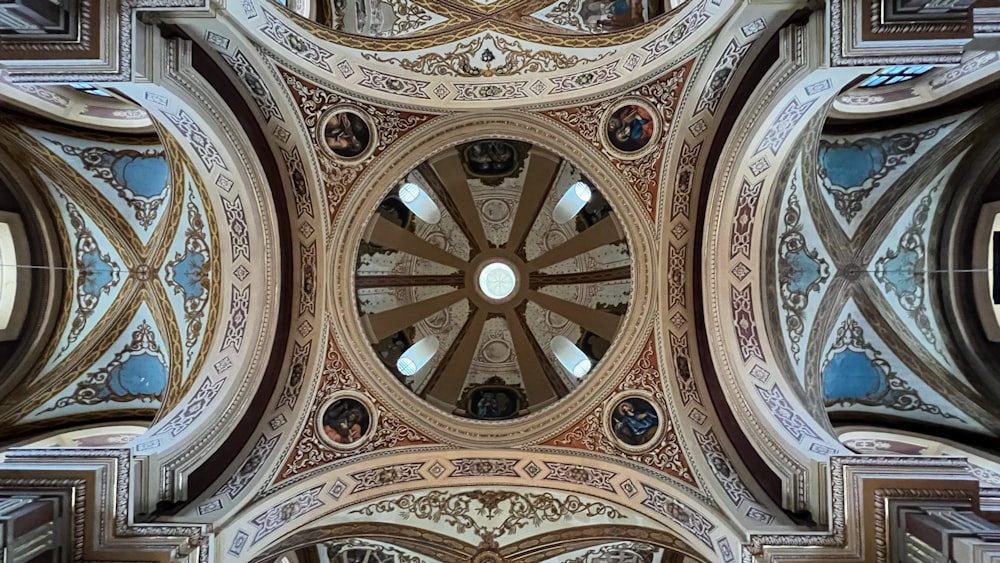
(854, 243)
(369, 551)
(497, 201)
(872, 441)
(496, 281)
(414, 18)
(140, 251)
(495, 180)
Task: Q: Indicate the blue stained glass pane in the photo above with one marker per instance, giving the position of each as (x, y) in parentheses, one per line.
(872, 81)
(89, 89)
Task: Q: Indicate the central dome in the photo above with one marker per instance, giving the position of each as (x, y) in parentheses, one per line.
(493, 278)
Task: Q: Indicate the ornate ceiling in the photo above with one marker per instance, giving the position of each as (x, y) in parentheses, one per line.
(325, 187)
(140, 252)
(498, 200)
(407, 18)
(855, 265)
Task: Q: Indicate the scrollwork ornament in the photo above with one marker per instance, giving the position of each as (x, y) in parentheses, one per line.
(521, 509)
(897, 393)
(476, 58)
(801, 271)
(899, 270)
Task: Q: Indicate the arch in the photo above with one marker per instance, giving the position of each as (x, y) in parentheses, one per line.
(441, 547)
(71, 106)
(99, 436)
(985, 466)
(772, 414)
(652, 45)
(42, 307)
(15, 276)
(421, 489)
(249, 193)
(937, 87)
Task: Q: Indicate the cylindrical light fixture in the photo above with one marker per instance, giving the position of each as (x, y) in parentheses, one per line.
(571, 202)
(421, 204)
(571, 357)
(416, 357)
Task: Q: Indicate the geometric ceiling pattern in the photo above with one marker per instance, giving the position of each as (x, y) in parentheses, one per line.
(854, 260)
(703, 360)
(408, 19)
(137, 246)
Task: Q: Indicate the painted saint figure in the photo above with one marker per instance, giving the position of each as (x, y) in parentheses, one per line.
(601, 16)
(630, 128)
(487, 406)
(346, 134)
(635, 421)
(491, 401)
(490, 158)
(345, 421)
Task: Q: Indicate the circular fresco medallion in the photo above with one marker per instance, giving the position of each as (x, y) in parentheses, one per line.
(634, 422)
(348, 133)
(631, 128)
(346, 421)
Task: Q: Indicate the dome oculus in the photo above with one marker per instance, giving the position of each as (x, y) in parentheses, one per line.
(497, 281)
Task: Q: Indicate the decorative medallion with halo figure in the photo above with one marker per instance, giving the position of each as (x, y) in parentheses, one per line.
(631, 128)
(347, 421)
(634, 422)
(348, 133)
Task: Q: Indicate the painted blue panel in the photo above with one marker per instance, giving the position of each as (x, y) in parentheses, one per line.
(855, 372)
(147, 176)
(855, 170)
(188, 270)
(898, 273)
(900, 265)
(801, 266)
(803, 271)
(141, 376)
(849, 166)
(97, 273)
(135, 370)
(134, 178)
(850, 375)
(190, 273)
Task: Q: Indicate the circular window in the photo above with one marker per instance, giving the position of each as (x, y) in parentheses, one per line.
(497, 281)
(508, 298)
